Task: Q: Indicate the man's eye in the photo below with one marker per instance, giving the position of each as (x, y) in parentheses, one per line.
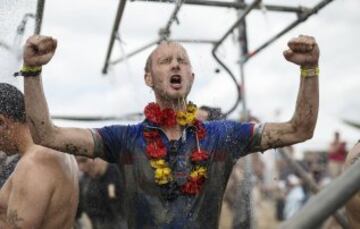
(165, 61)
(182, 61)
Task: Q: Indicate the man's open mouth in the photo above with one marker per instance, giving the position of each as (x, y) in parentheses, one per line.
(175, 81)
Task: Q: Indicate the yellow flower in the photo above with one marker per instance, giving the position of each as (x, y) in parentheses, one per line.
(181, 118)
(160, 163)
(163, 175)
(190, 118)
(191, 108)
(163, 181)
(199, 171)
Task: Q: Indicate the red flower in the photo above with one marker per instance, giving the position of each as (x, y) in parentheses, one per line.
(151, 134)
(156, 149)
(199, 155)
(168, 118)
(153, 113)
(200, 130)
(193, 186)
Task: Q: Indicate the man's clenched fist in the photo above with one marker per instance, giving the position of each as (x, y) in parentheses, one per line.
(303, 51)
(39, 50)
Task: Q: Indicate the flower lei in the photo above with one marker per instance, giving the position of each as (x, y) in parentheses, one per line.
(157, 152)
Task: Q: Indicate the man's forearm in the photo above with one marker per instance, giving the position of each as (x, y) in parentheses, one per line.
(37, 110)
(307, 106)
(302, 124)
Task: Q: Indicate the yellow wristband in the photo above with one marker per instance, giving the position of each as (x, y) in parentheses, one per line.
(28, 69)
(309, 72)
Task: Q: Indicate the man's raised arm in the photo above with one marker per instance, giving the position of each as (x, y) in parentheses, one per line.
(304, 52)
(38, 51)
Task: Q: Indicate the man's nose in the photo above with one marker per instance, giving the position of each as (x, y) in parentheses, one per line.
(175, 65)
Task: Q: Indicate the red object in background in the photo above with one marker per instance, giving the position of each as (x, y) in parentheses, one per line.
(339, 152)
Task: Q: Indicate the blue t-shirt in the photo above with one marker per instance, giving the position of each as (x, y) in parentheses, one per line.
(225, 141)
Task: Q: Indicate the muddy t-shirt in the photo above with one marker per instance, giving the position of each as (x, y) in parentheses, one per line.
(225, 141)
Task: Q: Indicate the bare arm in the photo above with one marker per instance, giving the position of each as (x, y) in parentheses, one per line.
(30, 196)
(303, 51)
(38, 51)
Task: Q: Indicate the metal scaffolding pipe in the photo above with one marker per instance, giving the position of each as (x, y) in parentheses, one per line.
(302, 17)
(130, 116)
(321, 206)
(5, 46)
(147, 46)
(21, 27)
(39, 16)
(236, 24)
(235, 5)
(114, 31)
(136, 51)
(307, 179)
(196, 41)
(165, 32)
(244, 214)
(216, 46)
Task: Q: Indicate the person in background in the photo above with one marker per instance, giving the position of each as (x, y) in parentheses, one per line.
(337, 155)
(100, 194)
(207, 113)
(7, 166)
(295, 197)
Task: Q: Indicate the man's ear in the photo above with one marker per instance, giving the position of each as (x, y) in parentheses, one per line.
(3, 123)
(148, 79)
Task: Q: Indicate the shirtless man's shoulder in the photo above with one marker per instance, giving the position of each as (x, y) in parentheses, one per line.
(44, 181)
(45, 164)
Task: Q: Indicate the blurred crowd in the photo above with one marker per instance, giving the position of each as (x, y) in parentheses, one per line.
(279, 199)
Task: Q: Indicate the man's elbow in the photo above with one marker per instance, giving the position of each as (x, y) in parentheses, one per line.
(307, 135)
(304, 132)
(46, 137)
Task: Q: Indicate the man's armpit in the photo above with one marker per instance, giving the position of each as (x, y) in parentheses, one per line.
(99, 150)
(13, 219)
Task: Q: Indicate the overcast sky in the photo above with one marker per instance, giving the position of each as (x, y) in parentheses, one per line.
(74, 83)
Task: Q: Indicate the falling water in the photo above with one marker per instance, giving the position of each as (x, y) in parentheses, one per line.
(14, 16)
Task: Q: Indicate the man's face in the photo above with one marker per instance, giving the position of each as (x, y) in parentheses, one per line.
(202, 115)
(88, 166)
(84, 164)
(171, 74)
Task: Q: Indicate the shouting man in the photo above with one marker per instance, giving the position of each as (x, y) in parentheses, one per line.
(42, 192)
(175, 167)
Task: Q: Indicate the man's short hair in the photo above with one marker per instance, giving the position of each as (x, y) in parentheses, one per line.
(12, 103)
(149, 59)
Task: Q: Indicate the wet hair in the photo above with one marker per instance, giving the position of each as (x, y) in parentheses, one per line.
(214, 113)
(12, 104)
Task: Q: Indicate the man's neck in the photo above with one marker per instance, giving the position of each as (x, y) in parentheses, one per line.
(175, 104)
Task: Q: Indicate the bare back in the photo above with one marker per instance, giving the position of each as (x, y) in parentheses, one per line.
(42, 192)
